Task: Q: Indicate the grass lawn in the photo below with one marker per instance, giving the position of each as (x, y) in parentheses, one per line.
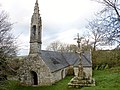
(105, 80)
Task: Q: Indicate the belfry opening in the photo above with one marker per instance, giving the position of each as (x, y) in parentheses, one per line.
(34, 30)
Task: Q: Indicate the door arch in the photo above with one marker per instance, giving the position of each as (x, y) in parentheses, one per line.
(34, 78)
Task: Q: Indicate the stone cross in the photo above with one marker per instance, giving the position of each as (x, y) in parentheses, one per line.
(79, 42)
(80, 68)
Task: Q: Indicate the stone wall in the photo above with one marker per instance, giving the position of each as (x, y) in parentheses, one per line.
(35, 48)
(36, 64)
(58, 75)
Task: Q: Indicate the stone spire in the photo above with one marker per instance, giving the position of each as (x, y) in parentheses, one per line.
(36, 8)
(35, 31)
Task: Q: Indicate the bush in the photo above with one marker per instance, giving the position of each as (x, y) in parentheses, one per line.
(103, 59)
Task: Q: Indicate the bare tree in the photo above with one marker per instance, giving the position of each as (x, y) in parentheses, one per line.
(109, 19)
(61, 47)
(7, 45)
(72, 48)
(96, 34)
(54, 46)
(86, 43)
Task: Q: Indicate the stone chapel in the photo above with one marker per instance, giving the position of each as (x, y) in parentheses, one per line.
(43, 67)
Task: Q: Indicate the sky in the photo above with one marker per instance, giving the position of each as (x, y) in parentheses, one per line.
(61, 20)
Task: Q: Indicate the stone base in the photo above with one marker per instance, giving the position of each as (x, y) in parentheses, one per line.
(78, 82)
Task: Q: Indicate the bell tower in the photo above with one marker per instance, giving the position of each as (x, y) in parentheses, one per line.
(35, 31)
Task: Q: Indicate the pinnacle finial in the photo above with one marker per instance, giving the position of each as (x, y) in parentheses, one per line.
(36, 1)
(36, 8)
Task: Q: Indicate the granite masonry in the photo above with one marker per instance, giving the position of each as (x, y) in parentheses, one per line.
(40, 67)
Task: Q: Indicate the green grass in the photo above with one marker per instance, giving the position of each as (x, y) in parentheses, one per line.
(105, 80)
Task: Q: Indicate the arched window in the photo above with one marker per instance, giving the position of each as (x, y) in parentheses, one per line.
(34, 78)
(39, 32)
(34, 30)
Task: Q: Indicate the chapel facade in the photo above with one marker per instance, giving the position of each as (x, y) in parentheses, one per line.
(43, 67)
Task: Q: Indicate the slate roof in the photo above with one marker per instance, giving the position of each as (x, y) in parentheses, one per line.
(58, 60)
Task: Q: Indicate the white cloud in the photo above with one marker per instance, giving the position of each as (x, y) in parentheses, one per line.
(23, 44)
(66, 11)
(62, 19)
(68, 36)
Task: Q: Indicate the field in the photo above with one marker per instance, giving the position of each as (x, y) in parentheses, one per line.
(105, 80)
